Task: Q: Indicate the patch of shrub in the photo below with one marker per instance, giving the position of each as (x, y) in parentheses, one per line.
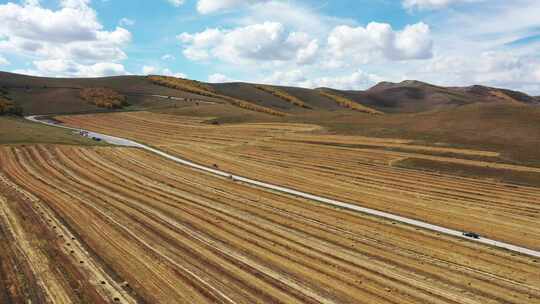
(283, 95)
(7, 107)
(104, 98)
(347, 103)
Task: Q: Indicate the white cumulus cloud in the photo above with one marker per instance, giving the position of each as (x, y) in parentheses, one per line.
(153, 70)
(295, 77)
(356, 80)
(376, 40)
(70, 37)
(494, 68)
(268, 41)
(219, 78)
(147, 70)
(168, 72)
(69, 68)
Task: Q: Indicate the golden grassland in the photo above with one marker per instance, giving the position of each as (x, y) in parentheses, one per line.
(120, 225)
(347, 103)
(283, 95)
(195, 87)
(349, 168)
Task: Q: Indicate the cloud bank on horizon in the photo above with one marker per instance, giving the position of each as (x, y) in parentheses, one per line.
(347, 44)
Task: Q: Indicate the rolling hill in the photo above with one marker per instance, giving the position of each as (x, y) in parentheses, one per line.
(39, 95)
(474, 116)
(412, 96)
(90, 223)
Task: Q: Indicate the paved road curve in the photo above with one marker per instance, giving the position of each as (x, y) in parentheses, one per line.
(354, 207)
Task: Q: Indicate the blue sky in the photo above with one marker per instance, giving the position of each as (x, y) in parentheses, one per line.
(344, 44)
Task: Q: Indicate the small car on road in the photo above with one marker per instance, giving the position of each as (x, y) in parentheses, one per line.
(471, 235)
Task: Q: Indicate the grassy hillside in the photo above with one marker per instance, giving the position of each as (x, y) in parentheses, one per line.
(205, 90)
(476, 116)
(283, 95)
(250, 92)
(38, 95)
(20, 131)
(41, 95)
(511, 129)
(347, 103)
(186, 85)
(122, 84)
(415, 96)
(311, 98)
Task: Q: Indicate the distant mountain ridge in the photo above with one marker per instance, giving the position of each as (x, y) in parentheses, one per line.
(415, 96)
(40, 95)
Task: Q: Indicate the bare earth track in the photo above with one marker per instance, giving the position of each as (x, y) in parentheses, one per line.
(175, 234)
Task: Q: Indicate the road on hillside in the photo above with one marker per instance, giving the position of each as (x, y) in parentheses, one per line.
(354, 207)
(171, 98)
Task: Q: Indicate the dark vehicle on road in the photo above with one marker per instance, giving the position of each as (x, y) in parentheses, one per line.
(471, 235)
(96, 138)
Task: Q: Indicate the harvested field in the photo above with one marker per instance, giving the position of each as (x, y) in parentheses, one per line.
(172, 234)
(280, 154)
(174, 129)
(42, 260)
(496, 174)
